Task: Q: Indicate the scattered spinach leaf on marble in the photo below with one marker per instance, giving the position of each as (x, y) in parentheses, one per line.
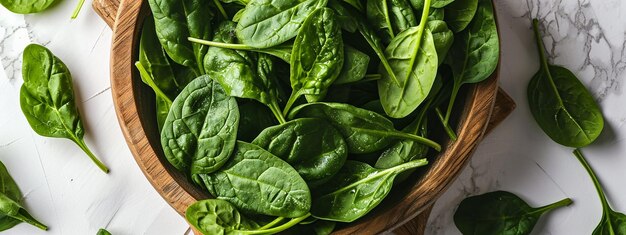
(500, 212)
(11, 212)
(356, 190)
(27, 6)
(47, 99)
(267, 23)
(200, 131)
(364, 131)
(561, 104)
(317, 57)
(311, 145)
(257, 182)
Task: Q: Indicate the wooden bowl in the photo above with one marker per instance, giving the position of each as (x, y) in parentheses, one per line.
(134, 104)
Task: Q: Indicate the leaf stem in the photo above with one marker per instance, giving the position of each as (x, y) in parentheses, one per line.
(416, 138)
(24, 216)
(561, 203)
(222, 44)
(273, 105)
(387, 18)
(544, 61)
(150, 82)
(271, 224)
(581, 158)
(371, 40)
(83, 146)
(292, 99)
(221, 9)
(407, 166)
(446, 125)
(77, 9)
(280, 228)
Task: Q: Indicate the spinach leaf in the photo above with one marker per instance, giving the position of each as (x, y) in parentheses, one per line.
(561, 104)
(364, 131)
(419, 4)
(254, 117)
(11, 212)
(354, 66)
(378, 16)
(500, 212)
(267, 23)
(312, 146)
(103, 232)
(175, 21)
(343, 15)
(436, 14)
(258, 182)
(47, 98)
(475, 53)
(356, 190)
(214, 216)
(243, 74)
(443, 37)
(27, 6)
(460, 13)
(612, 222)
(413, 58)
(402, 15)
(317, 57)
(200, 131)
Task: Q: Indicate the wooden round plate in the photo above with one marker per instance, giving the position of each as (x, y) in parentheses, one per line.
(134, 105)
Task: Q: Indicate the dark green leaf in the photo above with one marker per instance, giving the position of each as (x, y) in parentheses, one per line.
(364, 131)
(419, 4)
(402, 15)
(312, 146)
(267, 23)
(442, 38)
(258, 182)
(460, 13)
(561, 104)
(356, 190)
(354, 66)
(175, 21)
(200, 131)
(317, 57)
(499, 212)
(254, 117)
(47, 98)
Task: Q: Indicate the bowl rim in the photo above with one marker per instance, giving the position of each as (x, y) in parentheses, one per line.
(423, 193)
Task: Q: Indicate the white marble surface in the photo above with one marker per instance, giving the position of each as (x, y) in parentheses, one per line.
(66, 191)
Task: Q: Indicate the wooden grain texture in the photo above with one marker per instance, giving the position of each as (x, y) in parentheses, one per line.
(175, 189)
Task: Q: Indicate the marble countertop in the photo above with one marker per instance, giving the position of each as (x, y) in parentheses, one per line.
(63, 189)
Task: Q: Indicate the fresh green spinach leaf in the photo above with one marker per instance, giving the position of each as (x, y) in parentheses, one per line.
(258, 182)
(364, 131)
(47, 99)
(267, 23)
(378, 16)
(175, 21)
(460, 13)
(500, 212)
(103, 232)
(443, 37)
(312, 146)
(200, 131)
(356, 190)
(354, 67)
(11, 212)
(27, 6)
(402, 15)
(419, 4)
(561, 104)
(317, 57)
(413, 58)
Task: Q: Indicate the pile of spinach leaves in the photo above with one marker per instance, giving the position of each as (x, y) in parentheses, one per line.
(302, 114)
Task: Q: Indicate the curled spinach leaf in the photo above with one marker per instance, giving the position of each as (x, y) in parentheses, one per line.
(356, 190)
(561, 104)
(317, 57)
(500, 212)
(267, 23)
(243, 74)
(413, 58)
(312, 146)
(47, 99)
(258, 182)
(175, 21)
(27, 6)
(200, 131)
(460, 13)
(11, 212)
(364, 131)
